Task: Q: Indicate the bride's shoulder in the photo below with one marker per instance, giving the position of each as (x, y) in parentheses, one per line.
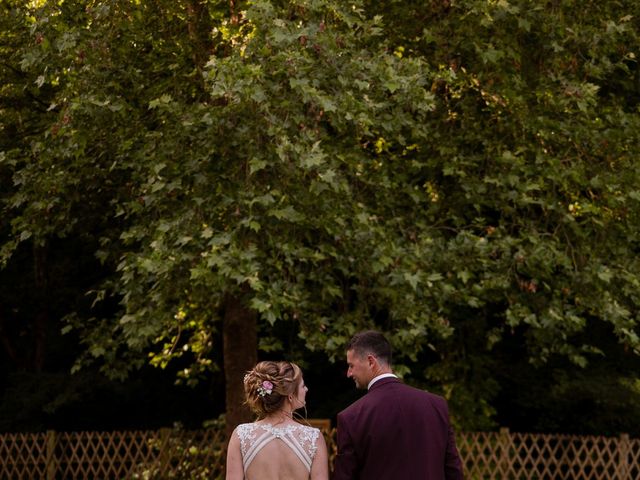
(245, 428)
(308, 427)
(308, 431)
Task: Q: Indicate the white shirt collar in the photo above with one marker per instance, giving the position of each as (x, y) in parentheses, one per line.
(380, 377)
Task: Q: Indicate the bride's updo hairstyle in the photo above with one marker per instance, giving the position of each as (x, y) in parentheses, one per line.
(268, 385)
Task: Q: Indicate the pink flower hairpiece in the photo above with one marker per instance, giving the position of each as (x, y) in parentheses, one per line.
(265, 389)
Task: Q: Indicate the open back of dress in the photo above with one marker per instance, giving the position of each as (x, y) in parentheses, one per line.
(270, 452)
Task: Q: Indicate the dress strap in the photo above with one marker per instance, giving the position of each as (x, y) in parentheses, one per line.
(297, 449)
(254, 449)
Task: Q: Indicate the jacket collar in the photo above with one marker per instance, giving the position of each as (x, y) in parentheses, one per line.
(383, 381)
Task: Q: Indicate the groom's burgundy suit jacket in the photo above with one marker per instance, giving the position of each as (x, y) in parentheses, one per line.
(396, 432)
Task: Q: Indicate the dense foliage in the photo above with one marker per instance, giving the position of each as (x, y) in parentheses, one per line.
(461, 175)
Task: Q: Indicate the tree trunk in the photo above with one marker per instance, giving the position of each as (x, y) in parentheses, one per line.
(41, 320)
(240, 352)
(24, 336)
(199, 26)
(232, 12)
(5, 339)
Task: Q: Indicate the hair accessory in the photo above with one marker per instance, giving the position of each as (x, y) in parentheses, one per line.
(265, 389)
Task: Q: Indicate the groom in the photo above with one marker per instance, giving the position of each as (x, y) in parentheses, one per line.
(394, 432)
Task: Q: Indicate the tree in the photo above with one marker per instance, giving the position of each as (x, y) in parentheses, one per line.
(533, 166)
(24, 115)
(152, 164)
(450, 185)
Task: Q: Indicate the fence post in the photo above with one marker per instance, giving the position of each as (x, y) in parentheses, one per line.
(623, 457)
(505, 451)
(50, 459)
(164, 455)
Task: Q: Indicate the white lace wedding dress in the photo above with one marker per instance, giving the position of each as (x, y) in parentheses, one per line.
(277, 452)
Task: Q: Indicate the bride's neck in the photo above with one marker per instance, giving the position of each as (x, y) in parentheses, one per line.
(280, 416)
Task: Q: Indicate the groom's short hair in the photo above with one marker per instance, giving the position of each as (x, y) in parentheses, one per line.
(371, 342)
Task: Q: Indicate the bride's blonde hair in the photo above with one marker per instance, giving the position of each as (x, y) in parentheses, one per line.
(268, 384)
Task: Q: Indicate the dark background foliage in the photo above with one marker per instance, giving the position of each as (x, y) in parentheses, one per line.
(460, 175)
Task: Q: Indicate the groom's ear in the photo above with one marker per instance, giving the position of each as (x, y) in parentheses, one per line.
(372, 361)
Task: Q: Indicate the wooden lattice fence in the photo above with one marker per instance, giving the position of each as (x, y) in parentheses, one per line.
(199, 454)
(156, 454)
(520, 456)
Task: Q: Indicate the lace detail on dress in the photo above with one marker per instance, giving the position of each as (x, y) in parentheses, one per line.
(300, 438)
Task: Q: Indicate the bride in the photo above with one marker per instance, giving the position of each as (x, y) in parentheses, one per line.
(275, 446)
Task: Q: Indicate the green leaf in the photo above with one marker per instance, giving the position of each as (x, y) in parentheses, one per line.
(464, 275)
(255, 165)
(287, 213)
